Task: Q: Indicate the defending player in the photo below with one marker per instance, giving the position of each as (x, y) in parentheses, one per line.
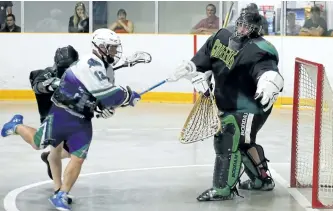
(44, 82)
(83, 87)
(247, 83)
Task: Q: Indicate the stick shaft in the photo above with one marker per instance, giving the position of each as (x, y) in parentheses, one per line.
(153, 87)
(226, 19)
(147, 90)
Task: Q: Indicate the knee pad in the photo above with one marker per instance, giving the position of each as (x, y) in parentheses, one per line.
(228, 157)
(250, 164)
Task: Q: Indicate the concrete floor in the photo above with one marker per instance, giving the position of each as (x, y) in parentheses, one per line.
(136, 163)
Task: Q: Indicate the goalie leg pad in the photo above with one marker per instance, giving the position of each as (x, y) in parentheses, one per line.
(250, 164)
(228, 157)
(254, 172)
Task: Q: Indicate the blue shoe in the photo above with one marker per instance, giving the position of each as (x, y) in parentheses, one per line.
(10, 127)
(60, 201)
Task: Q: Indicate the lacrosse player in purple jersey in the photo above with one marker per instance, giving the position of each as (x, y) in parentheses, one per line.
(83, 88)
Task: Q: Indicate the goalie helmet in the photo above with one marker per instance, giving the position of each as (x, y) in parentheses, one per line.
(106, 44)
(249, 24)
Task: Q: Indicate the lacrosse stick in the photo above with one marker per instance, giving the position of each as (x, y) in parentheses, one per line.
(136, 58)
(203, 120)
(185, 70)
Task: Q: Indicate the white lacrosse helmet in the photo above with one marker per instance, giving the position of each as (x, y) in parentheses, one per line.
(107, 45)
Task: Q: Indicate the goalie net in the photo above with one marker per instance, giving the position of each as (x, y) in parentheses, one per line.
(312, 133)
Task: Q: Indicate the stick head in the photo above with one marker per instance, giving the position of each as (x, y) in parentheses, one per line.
(185, 70)
(139, 57)
(202, 122)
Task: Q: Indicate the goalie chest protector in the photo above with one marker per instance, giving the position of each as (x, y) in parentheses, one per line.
(236, 72)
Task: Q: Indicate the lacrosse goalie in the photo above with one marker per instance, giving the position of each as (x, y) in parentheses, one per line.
(247, 83)
(82, 88)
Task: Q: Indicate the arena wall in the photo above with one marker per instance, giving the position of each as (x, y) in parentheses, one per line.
(21, 53)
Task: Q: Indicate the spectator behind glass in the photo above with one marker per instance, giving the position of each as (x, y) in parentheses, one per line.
(292, 28)
(10, 25)
(79, 22)
(208, 25)
(315, 26)
(52, 23)
(122, 25)
(5, 9)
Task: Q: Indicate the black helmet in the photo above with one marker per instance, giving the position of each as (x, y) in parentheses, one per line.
(253, 6)
(249, 23)
(65, 56)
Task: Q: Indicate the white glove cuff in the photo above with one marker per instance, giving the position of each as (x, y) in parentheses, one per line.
(200, 83)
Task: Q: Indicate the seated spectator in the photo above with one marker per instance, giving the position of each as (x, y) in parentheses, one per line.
(122, 25)
(316, 25)
(5, 9)
(10, 25)
(79, 22)
(293, 29)
(208, 25)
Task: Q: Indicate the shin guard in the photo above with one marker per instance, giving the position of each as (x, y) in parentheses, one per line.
(228, 157)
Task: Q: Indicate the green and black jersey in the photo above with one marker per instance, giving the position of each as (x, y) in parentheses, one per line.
(236, 73)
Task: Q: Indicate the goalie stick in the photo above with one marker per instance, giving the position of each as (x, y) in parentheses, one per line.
(203, 121)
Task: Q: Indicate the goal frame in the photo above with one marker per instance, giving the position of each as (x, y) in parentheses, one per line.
(317, 129)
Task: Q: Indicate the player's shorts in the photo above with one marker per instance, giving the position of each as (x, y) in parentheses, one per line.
(249, 125)
(60, 125)
(65, 142)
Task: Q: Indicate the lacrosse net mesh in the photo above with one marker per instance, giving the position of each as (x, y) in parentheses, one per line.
(203, 121)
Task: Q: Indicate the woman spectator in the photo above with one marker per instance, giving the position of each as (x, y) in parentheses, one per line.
(79, 22)
(122, 25)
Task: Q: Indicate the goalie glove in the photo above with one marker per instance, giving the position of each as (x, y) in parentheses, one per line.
(202, 84)
(186, 69)
(269, 86)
